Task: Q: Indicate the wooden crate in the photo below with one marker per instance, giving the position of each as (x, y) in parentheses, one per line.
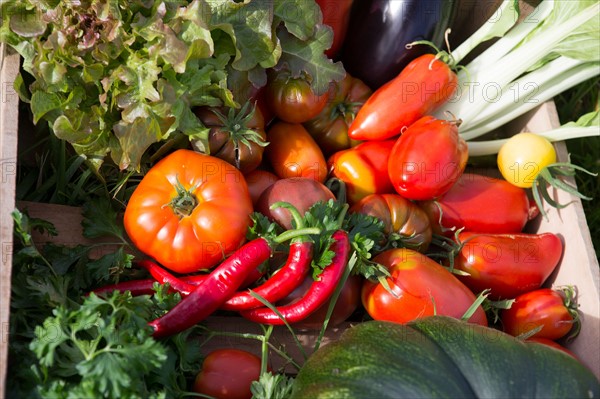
(579, 265)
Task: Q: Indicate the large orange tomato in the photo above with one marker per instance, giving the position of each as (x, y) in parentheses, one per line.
(188, 211)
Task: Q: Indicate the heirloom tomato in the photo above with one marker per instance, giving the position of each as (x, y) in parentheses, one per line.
(292, 99)
(480, 203)
(554, 310)
(258, 181)
(228, 374)
(427, 159)
(236, 136)
(292, 152)
(421, 287)
(189, 211)
(363, 169)
(330, 127)
(507, 264)
(403, 220)
(301, 192)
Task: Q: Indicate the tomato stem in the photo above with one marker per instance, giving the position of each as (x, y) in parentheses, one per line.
(184, 202)
(552, 175)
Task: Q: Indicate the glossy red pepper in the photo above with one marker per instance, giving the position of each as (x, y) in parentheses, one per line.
(279, 285)
(219, 286)
(423, 85)
(136, 287)
(146, 286)
(480, 203)
(163, 276)
(287, 277)
(319, 292)
(223, 282)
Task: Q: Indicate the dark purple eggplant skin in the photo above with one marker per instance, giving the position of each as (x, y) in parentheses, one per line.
(379, 30)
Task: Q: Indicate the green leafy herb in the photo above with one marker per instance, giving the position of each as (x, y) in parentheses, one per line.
(101, 220)
(272, 386)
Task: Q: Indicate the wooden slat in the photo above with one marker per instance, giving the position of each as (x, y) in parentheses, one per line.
(9, 116)
(579, 264)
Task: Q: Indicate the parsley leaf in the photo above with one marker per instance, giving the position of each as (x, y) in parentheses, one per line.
(272, 386)
(101, 220)
(105, 344)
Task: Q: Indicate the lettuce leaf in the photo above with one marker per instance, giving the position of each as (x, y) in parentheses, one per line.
(116, 78)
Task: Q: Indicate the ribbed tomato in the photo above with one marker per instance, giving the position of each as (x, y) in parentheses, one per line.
(403, 220)
(189, 211)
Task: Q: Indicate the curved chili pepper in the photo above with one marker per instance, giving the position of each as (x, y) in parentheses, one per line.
(145, 286)
(319, 292)
(163, 276)
(287, 278)
(219, 286)
(136, 287)
(281, 284)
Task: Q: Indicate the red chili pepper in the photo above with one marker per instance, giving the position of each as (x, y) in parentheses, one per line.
(163, 276)
(145, 286)
(219, 286)
(290, 276)
(137, 287)
(279, 285)
(319, 292)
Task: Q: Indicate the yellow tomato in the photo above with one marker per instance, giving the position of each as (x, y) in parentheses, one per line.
(523, 157)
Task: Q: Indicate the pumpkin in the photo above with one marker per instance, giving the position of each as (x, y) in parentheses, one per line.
(439, 357)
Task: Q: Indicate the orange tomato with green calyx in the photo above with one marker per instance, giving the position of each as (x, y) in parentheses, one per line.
(189, 211)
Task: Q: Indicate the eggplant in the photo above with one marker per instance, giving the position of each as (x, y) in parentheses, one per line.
(374, 49)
